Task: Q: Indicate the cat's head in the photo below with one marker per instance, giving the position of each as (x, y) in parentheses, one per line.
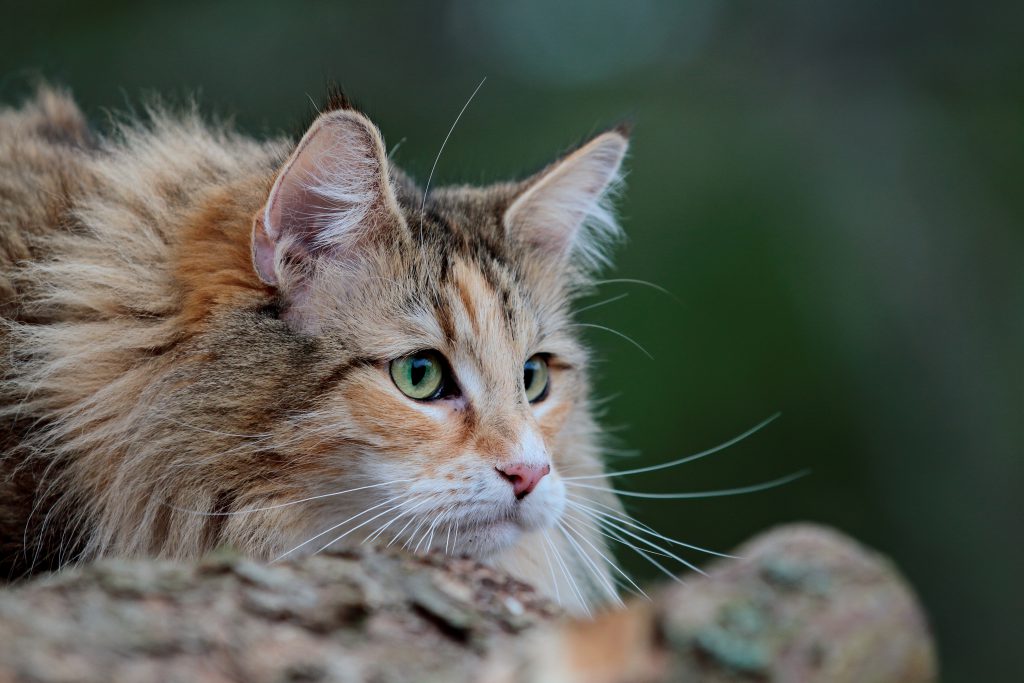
(284, 348)
(459, 396)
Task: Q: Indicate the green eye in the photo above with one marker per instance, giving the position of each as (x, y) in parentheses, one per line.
(535, 378)
(419, 375)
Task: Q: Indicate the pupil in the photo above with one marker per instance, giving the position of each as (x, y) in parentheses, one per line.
(418, 370)
(528, 372)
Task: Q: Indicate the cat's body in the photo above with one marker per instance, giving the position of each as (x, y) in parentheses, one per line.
(196, 330)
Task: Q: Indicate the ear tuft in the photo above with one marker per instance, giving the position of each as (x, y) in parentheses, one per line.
(566, 211)
(624, 128)
(336, 98)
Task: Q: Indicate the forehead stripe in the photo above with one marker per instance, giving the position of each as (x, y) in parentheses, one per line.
(469, 305)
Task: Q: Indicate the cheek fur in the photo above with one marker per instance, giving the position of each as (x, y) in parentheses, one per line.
(424, 432)
(378, 410)
(553, 419)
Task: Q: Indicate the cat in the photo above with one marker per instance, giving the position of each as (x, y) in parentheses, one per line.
(208, 340)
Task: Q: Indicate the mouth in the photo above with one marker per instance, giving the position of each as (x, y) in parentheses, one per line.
(480, 529)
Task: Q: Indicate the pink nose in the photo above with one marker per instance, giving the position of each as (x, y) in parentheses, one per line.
(524, 478)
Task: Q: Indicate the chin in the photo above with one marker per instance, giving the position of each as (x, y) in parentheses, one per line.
(493, 539)
(486, 541)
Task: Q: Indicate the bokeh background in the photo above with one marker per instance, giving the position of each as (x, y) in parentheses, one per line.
(832, 192)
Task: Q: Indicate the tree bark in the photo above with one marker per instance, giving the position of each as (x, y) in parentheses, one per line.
(803, 604)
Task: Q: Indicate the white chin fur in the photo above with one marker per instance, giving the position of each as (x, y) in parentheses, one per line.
(539, 510)
(544, 506)
(484, 542)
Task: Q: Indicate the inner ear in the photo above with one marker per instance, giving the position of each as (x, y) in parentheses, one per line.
(332, 198)
(565, 209)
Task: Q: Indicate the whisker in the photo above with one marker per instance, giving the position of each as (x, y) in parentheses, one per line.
(430, 531)
(330, 529)
(426, 531)
(603, 581)
(412, 534)
(411, 520)
(361, 524)
(551, 568)
(655, 546)
(602, 303)
(383, 526)
(379, 529)
(430, 176)
(610, 562)
(634, 281)
(284, 505)
(394, 148)
(618, 334)
(699, 494)
(566, 573)
(430, 539)
(575, 500)
(690, 458)
(442, 516)
(646, 555)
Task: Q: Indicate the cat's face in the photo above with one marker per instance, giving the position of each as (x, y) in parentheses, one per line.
(459, 400)
(462, 393)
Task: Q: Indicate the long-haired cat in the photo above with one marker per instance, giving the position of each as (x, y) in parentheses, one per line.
(207, 340)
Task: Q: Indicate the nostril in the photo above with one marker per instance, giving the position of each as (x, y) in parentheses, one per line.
(513, 479)
(523, 477)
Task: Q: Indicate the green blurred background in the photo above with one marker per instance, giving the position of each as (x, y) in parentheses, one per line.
(831, 190)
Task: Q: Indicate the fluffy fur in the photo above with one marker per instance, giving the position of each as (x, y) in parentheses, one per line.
(195, 331)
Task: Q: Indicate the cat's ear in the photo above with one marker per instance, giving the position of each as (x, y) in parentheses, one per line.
(565, 210)
(331, 198)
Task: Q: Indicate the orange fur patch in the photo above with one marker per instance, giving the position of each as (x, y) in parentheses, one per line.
(214, 265)
(554, 420)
